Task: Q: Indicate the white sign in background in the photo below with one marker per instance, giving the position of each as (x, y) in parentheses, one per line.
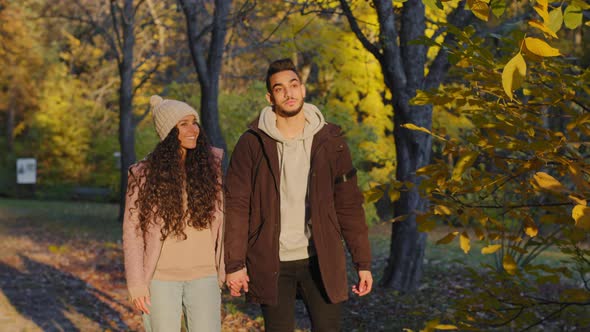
(26, 171)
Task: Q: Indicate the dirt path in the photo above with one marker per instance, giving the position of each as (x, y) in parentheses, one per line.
(48, 284)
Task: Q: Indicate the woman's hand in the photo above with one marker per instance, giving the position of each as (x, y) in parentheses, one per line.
(142, 303)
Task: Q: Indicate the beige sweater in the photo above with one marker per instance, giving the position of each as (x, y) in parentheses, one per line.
(142, 254)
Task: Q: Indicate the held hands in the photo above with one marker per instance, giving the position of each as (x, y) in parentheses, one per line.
(365, 283)
(141, 303)
(237, 281)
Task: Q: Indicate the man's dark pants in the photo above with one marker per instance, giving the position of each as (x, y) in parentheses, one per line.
(302, 277)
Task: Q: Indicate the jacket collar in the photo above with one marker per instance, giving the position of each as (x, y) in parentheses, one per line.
(329, 131)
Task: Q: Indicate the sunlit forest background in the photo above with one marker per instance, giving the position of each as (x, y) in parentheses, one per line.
(471, 130)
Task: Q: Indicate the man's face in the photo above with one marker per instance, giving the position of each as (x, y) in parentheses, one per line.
(287, 93)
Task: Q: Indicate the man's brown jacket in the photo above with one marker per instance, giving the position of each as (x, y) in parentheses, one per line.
(252, 212)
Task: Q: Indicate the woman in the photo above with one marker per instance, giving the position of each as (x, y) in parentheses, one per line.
(173, 225)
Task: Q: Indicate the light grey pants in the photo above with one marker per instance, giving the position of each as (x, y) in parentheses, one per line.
(200, 299)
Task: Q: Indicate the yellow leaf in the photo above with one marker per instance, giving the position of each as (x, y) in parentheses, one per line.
(539, 47)
(464, 242)
(578, 200)
(530, 228)
(445, 327)
(442, 210)
(509, 264)
(463, 163)
(541, 26)
(448, 238)
(394, 194)
(373, 195)
(541, 7)
(513, 74)
(492, 248)
(581, 215)
(481, 10)
(548, 182)
(555, 20)
(412, 126)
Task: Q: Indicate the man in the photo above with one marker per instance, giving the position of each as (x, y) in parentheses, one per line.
(291, 200)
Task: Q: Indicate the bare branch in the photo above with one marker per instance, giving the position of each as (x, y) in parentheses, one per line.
(146, 77)
(114, 9)
(439, 67)
(357, 31)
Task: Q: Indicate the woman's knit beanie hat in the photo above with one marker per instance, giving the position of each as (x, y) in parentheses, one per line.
(167, 112)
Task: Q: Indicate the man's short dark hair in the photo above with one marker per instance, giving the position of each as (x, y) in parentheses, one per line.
(279, 66)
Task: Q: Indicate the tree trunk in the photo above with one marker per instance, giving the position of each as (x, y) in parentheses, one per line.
(126, 124)
(208, 66)
(403, 70)
(413, 148)
(402, 64)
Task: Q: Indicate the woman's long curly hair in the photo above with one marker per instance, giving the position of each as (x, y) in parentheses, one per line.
(160, 191)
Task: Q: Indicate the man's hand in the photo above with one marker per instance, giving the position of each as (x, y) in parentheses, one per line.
(141, 303)
(365, 283)
(237, 281)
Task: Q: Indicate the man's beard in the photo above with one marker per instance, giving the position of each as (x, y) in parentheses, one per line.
(288, 114)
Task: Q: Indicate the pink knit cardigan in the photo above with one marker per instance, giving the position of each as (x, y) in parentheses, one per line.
(141, 255)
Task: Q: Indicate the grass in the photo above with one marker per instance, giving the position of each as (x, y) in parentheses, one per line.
(96, 221)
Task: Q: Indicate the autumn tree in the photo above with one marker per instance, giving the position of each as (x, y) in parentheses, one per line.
(405, 70)
(115, 22)
(21, 72)
(517, 186)
(206, 31)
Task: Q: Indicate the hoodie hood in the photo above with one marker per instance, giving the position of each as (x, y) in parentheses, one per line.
(314, 121)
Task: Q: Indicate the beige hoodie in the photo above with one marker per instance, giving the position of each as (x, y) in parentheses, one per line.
(294, 163)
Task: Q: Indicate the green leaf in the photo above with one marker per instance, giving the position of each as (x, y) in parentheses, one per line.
(498, 7)
(446, 327)
(572, 17)
(433, 4)
(555, 20)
